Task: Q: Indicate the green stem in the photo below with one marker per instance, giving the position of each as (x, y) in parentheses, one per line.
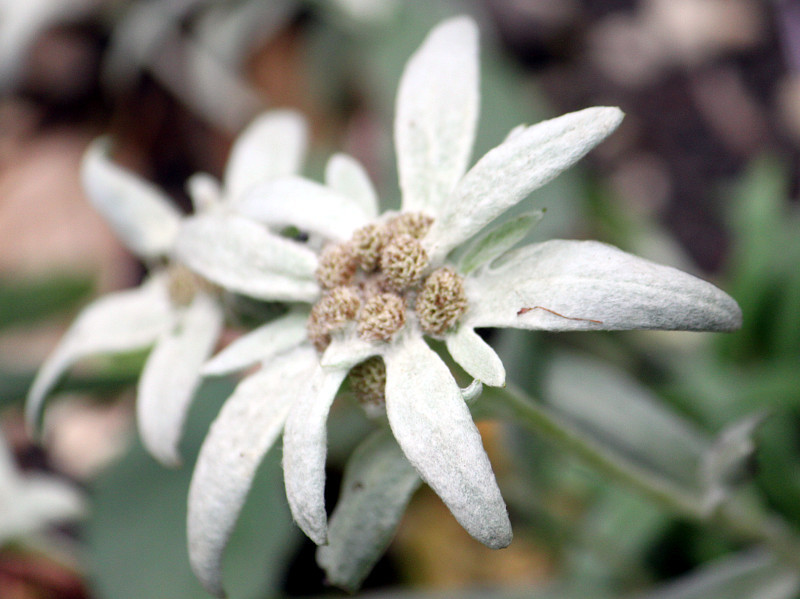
(752, 523)
(740, 519)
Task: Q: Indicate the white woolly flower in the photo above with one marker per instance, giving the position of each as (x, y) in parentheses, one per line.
(29, 503)
(386, 282)
(174, 311)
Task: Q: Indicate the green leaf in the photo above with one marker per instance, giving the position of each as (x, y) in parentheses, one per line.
(758, 211)
(551, 591)
(617, 509)
(785, 338)
(377, 486)
(27, 301)
(778, 474)
(137, 534)
(617, 411)
(13, 386)
(752, 575)
(760, 266)
(498, 241)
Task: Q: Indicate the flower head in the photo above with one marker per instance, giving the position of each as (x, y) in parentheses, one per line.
(401, 286)
(29, 503)
(175, 311)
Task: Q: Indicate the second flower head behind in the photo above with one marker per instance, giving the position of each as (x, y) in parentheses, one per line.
(175, 314)
(385, 283)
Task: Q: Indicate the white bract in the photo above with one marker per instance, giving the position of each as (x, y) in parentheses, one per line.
(385, 282)
(174, 310)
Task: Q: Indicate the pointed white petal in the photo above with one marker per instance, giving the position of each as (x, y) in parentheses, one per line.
(432, 424)
(247, 426)
(346, 352)
(118, 322)
(476, 357)
(347, 176)
(205, 192)
(171, 375)
(143, 217)
(260, 344)
(512, 170)
(309, 206)
(574, 285)
(242, 256)
(304, 449)
(272, 146)
(437, 110)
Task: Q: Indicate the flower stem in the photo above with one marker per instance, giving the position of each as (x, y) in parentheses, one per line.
(746, 521)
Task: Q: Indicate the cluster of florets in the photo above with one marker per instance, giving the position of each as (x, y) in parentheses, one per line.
(368, 384)
(371, 281)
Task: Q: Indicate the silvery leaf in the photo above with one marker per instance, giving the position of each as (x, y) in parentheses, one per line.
(259, 344)
(437, 111)
(245, 429)
(242, 256)
(586, 285)
(171, 376)
(305, 448)
(476, 356)
(348, 350)
(345, 174)
(272, 146)
(142, 216)
(433, 426)
(511, 171)
(377, 486)
(301, 203)
(118, 322)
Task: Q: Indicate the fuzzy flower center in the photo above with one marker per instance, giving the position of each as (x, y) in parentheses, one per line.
(380, 278)
(368, 382)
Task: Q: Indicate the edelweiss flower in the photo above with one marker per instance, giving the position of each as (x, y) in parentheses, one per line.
(385, 283)
(30, 503)
(174, 310)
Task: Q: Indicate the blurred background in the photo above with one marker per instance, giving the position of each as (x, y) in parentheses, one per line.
(701, 176)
